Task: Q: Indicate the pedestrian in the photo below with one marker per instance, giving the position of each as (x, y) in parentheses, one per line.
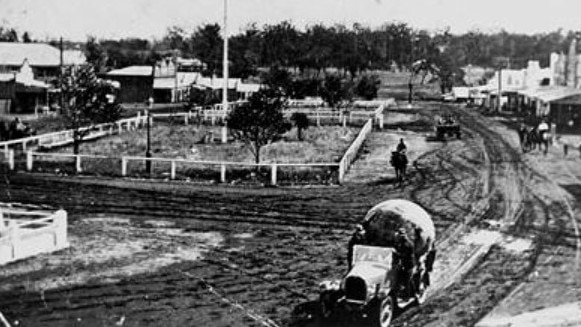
(565, 149)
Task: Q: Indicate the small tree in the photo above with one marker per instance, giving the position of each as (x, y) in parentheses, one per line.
(367, 87)
(301, 122)
(259, 121)
(88, 101)
(335, 91)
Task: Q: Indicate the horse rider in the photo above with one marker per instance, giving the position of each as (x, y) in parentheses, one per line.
(406, 257)
(401, 147)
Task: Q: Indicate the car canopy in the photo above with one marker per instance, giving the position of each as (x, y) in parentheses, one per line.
(384, 220)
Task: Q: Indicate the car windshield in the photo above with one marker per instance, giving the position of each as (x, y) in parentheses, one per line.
(372, 254)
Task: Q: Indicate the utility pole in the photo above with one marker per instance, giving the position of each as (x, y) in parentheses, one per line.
(148, 125)
(225, 74)
(499, 100)
(61, 79)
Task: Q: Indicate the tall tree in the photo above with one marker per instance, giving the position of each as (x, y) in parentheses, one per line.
(88, 101)
(207, 45)
(260, 121)
(96, 54)
(26, 38)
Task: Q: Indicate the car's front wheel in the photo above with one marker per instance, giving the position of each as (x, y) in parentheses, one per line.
(383, 313)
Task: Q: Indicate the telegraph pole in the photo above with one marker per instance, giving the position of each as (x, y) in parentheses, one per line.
(61, 76)
(225, 74)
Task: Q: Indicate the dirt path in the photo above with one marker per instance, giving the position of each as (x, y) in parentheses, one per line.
(276, 244)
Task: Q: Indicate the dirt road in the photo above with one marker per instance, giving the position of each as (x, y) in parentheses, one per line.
(272, 246)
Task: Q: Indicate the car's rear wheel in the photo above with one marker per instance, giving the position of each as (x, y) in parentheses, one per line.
(421, 293)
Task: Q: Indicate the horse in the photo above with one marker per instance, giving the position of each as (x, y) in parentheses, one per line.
(525, 142)
(399, 161)
(538, 138)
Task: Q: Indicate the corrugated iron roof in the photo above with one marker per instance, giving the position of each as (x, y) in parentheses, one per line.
(37, 54)
(550, 93)
(132, 71)
(570, 100)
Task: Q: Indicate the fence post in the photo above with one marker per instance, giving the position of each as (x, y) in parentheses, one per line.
(24, 145)
(341, 171)
(318, 119)
(186, 120)
(6, 147)
(11, 164)
(224, 134)
(123, 166)
(120, 127)
(173, 170)
(223, 173)
(60, 229)
(14, 237)
(273, 174)
(29, 160)
(78, 163)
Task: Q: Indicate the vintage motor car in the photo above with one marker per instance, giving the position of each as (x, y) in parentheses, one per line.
(373, 288)
(447, 126)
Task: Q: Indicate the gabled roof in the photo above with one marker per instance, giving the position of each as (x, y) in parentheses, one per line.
(37, 54)
(132, 71)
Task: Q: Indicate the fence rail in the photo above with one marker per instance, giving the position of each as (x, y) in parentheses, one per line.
(22, 237)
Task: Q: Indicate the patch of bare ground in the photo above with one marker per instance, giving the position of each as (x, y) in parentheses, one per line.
(555, 281)
(278, 243)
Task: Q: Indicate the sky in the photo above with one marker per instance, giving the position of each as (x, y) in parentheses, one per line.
(76, 19)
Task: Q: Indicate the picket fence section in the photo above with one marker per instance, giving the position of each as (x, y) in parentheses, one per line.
(24, 234)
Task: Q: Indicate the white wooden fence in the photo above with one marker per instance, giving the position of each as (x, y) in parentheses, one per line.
(342, 167)
(24, 234)
(66, 137)
(351, 153)
(171, 164)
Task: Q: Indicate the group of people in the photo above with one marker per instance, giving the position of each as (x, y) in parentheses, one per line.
(530, 137)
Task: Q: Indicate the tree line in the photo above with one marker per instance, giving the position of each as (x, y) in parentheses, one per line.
(314, 48)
